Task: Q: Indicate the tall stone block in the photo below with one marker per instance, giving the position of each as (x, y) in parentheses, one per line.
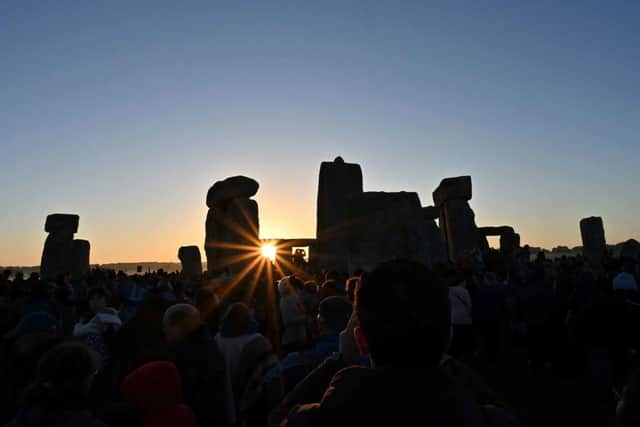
(594, 245)
(386, 226)
(80, 259)
(191, 261)
(457, 220)
(437, 248)
(338, 182)
(232, 224)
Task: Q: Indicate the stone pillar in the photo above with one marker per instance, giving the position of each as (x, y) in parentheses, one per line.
(437, 248)
(191, 261)
(386, 226)
(594, 245)
(62, 254)
(232, 225)
(338, 182)
(509, 242)
(80, 259)
(457, 220)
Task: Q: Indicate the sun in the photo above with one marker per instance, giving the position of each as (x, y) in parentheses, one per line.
(269, 251)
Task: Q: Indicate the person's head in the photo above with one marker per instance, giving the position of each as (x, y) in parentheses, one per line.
(237, 321)
(155, 391)
(63, 377)
(404, 315)
(206, 301)
(98, 299)
(333, 315)
(311, 287)
(179, 321)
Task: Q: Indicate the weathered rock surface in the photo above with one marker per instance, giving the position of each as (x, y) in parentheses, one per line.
(191, 261)
(338, 182)
(386, 226)
(62, 222)
(232, 226)
(457, 188)
(594, 245)
(61, 253)
(232, 188)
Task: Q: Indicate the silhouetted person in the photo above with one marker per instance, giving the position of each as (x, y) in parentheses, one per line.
(404, 324)
(199, 360)
(58, 396)
(248, 356)
(155, 391)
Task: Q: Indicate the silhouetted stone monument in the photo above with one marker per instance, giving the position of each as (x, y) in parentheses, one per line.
(385, 226)
(338, 182)
(457, 220)
(594, 245)
(437, 249)
(80, 258)
(232, 225)
(630, 249)
(191, 261)
(62, 254)
(509, 239)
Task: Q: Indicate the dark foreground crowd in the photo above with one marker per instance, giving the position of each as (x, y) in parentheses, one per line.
(392, 346)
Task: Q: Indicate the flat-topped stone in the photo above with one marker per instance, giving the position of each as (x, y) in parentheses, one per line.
(369, 202)
(594, 244)
(455, 188)
(496, 231)
(61, 222)
(231, 188)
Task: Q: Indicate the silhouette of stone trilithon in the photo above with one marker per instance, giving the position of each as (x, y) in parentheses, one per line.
(594, 245)
(191, 261)
(62, 254)
(232, 227)
(509, 239)
(457, 220)
(338, 182)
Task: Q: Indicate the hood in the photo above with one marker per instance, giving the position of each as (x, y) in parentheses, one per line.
(153, 388)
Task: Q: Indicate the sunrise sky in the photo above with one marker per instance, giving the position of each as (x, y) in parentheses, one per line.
(126, 114)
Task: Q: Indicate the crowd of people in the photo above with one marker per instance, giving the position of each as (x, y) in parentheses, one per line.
(395, 345)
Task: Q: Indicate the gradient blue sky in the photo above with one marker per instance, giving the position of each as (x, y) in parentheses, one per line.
(126, 114)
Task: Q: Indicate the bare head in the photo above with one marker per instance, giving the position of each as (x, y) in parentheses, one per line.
(179, 320)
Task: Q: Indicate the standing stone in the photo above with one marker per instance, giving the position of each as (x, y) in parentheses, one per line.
(191, 261)
(630, 249)
(338, 182)
(232, 225)
(594, 245)
(62, 254)
(457, 220)
(437, 249)
(80, 259)
(386, 226)
(509, 242)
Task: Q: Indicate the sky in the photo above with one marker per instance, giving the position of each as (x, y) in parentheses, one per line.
(127, 113)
